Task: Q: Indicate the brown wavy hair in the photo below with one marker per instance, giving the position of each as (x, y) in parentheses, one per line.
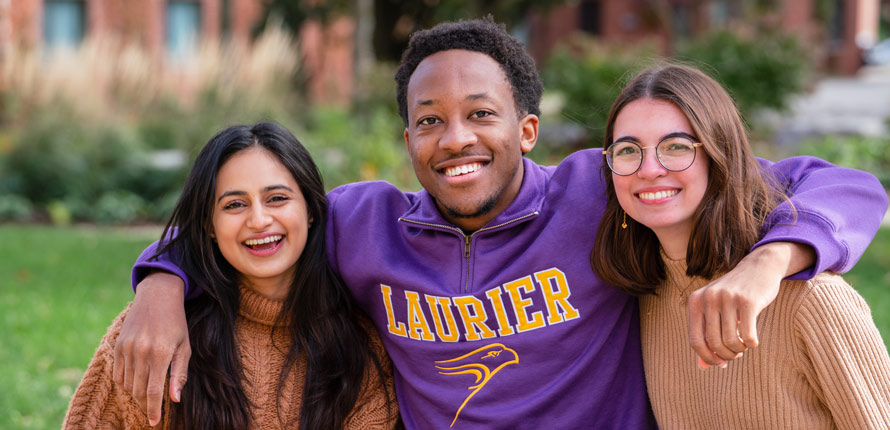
(732, 212)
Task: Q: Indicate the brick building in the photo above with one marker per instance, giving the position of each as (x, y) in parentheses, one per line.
(171, 26)
(172, 29)
(838, 38)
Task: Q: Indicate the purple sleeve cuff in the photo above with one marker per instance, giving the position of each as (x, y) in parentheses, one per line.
(817, 233)
(837, 211)
(145, 265)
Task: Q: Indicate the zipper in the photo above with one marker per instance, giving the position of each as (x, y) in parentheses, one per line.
(468, 239)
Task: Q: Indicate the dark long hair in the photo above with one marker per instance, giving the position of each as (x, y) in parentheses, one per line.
(737, 200)
(317, 311)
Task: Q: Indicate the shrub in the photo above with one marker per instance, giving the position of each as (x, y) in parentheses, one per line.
(83, 126)
(586, 77)
(117, 207)
(762, 71)
(871, 154)
(349, 147)
(15, 208)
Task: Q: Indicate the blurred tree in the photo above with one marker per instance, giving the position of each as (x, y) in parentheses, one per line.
(395, 20)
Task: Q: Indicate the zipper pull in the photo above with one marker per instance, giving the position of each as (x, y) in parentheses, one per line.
(467, 247)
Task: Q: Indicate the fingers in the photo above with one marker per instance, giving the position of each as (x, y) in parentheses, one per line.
(137, 384)
(179, 371)
(715, 326)
(154, 394)
(697, 324)
(748, 327)
(119, 365)
(729, 331)
(714, 333)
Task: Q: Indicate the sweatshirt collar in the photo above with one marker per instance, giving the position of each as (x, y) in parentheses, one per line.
(528, 202)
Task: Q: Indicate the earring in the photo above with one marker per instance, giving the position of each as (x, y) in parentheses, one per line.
(624, 221)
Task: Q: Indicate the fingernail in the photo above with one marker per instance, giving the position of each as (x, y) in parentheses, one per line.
(723, 365)
(702, 364)
(178, 394)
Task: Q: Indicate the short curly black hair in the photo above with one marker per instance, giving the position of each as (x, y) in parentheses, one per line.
(480, 35)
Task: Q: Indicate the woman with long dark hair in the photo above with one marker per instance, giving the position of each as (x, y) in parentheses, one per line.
(275, 340)
(686, 201)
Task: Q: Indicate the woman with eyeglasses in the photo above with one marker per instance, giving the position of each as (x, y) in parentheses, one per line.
(686, 201)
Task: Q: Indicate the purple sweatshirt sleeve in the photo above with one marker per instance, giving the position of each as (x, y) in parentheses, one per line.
(838, 212)
(145, 265)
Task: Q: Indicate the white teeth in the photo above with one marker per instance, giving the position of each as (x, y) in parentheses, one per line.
(267, 239)
(657, 195)
(463, 169)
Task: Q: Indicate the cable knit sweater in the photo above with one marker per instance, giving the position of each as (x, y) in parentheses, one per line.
(821, 363)
(99, 403)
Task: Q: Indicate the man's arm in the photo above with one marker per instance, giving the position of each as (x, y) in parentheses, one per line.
(154, 336)
(836, 214)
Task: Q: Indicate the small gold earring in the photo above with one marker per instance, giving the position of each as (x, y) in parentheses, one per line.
(624, 221)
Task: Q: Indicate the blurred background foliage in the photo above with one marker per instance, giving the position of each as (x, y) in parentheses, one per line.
(104, 134)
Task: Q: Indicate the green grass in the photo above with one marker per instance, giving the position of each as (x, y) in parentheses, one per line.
(61, 287)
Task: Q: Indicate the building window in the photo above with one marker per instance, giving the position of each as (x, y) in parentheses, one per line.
(63, 24)
(718, 14)
(183, 28)
(681, 24)
(590, 17)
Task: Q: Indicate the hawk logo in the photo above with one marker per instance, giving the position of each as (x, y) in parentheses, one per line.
(482, 363)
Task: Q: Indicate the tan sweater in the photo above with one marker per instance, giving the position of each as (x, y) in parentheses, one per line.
(99, 403)
(821, 363)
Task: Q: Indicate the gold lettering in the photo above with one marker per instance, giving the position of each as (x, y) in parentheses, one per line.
(396, 328)
(473, 320)
(494, 296)
(445, 303)
(558, 296)
(418, 328)
(519, 304)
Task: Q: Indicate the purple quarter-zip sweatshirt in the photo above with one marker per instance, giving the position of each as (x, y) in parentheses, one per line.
(508, 327)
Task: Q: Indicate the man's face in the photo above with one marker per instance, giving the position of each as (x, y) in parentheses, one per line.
(465, 136)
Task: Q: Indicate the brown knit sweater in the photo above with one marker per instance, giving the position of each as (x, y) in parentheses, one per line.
(99, 403)
(821, 363)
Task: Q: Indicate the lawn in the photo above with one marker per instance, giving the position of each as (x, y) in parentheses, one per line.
(62, 287)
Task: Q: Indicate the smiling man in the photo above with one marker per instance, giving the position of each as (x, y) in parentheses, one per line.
(480, 284)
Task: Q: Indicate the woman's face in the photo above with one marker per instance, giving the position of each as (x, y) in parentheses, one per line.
(663, 200)
(260, 220)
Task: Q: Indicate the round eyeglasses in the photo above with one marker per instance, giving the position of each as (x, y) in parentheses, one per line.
(674, 153)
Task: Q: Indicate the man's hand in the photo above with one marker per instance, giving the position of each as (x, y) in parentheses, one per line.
(154, 334)
(723, 314)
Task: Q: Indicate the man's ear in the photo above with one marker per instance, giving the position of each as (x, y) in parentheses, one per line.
(528, 133)
(407, 139)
